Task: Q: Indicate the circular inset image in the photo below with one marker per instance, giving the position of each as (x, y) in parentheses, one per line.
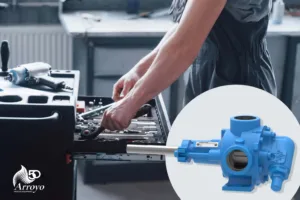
(235, 142)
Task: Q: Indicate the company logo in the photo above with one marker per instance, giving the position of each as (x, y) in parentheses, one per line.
(23, 179)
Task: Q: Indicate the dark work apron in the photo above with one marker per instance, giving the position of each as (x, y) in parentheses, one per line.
(235, 52)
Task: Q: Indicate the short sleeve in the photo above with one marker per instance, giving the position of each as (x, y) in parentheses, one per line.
(177, 8)
(249, 10)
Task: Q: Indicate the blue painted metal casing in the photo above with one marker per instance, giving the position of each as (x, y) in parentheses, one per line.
(249, 154)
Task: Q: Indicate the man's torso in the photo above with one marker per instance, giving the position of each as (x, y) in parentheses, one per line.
(241, 10)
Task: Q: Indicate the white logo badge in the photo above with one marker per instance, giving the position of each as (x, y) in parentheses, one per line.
(23, 179)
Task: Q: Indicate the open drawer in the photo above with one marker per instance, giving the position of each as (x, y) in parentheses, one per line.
(99, 156)
(152, 128)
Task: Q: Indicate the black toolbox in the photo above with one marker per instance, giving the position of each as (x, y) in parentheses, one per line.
(40, 144)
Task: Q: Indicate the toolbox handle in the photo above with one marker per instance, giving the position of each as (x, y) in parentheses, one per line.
(53, 117)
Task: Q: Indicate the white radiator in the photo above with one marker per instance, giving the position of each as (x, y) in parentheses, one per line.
(48, 44)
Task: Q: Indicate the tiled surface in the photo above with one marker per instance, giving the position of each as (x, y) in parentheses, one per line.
(129, 191)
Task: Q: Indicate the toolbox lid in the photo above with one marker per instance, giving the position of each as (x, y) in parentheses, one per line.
(11, 94)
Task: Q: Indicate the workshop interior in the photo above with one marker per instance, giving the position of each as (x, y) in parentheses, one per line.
(59, 62)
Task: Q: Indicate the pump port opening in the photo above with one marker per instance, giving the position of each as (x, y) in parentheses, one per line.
(237, 160)
(245, 118)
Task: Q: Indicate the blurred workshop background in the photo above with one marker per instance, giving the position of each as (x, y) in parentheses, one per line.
(104, 39)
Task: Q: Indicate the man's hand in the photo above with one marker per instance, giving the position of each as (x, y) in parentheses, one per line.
(124, 85)
(119, 115)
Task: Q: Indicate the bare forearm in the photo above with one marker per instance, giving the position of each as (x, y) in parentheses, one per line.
(177, 54)
(171, 61)
(143, 65)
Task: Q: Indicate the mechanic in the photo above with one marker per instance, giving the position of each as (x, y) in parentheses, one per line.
(224, 42)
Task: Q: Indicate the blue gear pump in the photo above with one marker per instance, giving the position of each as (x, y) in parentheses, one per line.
(249, 154)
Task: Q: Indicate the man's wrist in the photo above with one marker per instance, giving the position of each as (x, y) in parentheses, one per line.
(133, 103)
(136, 98)
(142, 68)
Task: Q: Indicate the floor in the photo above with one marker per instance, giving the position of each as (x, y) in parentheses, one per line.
(132, 191)
(161, 190)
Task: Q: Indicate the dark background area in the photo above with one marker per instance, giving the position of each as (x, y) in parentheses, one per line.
(21, 12)
(46, 11)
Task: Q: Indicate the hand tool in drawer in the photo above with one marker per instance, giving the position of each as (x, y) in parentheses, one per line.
(93, 130)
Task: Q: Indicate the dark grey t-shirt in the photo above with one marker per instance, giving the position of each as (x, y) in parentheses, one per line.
(235, 51)
(241, 10)
(249, 10)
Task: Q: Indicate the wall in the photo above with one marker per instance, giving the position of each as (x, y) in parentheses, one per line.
(49, 15)
(16, 15)
(29, 14)
(46, 43)
(113, 4)
(296, 97)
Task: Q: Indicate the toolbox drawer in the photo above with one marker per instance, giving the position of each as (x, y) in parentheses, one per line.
(101, 172)
(97, 158)
(150, 129)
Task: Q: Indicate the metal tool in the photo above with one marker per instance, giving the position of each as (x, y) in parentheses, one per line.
(152, 14)
(144, 123)
(89, 134)
(131, 131)
(87, 114)
(124, 136)
(248, 153)
(31, 74)
(94, 132)
(4, 57)
(151, 149)
(144, 110)
(152, 132)
(149, 128)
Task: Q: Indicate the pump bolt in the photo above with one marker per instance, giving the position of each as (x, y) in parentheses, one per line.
(267, 128)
